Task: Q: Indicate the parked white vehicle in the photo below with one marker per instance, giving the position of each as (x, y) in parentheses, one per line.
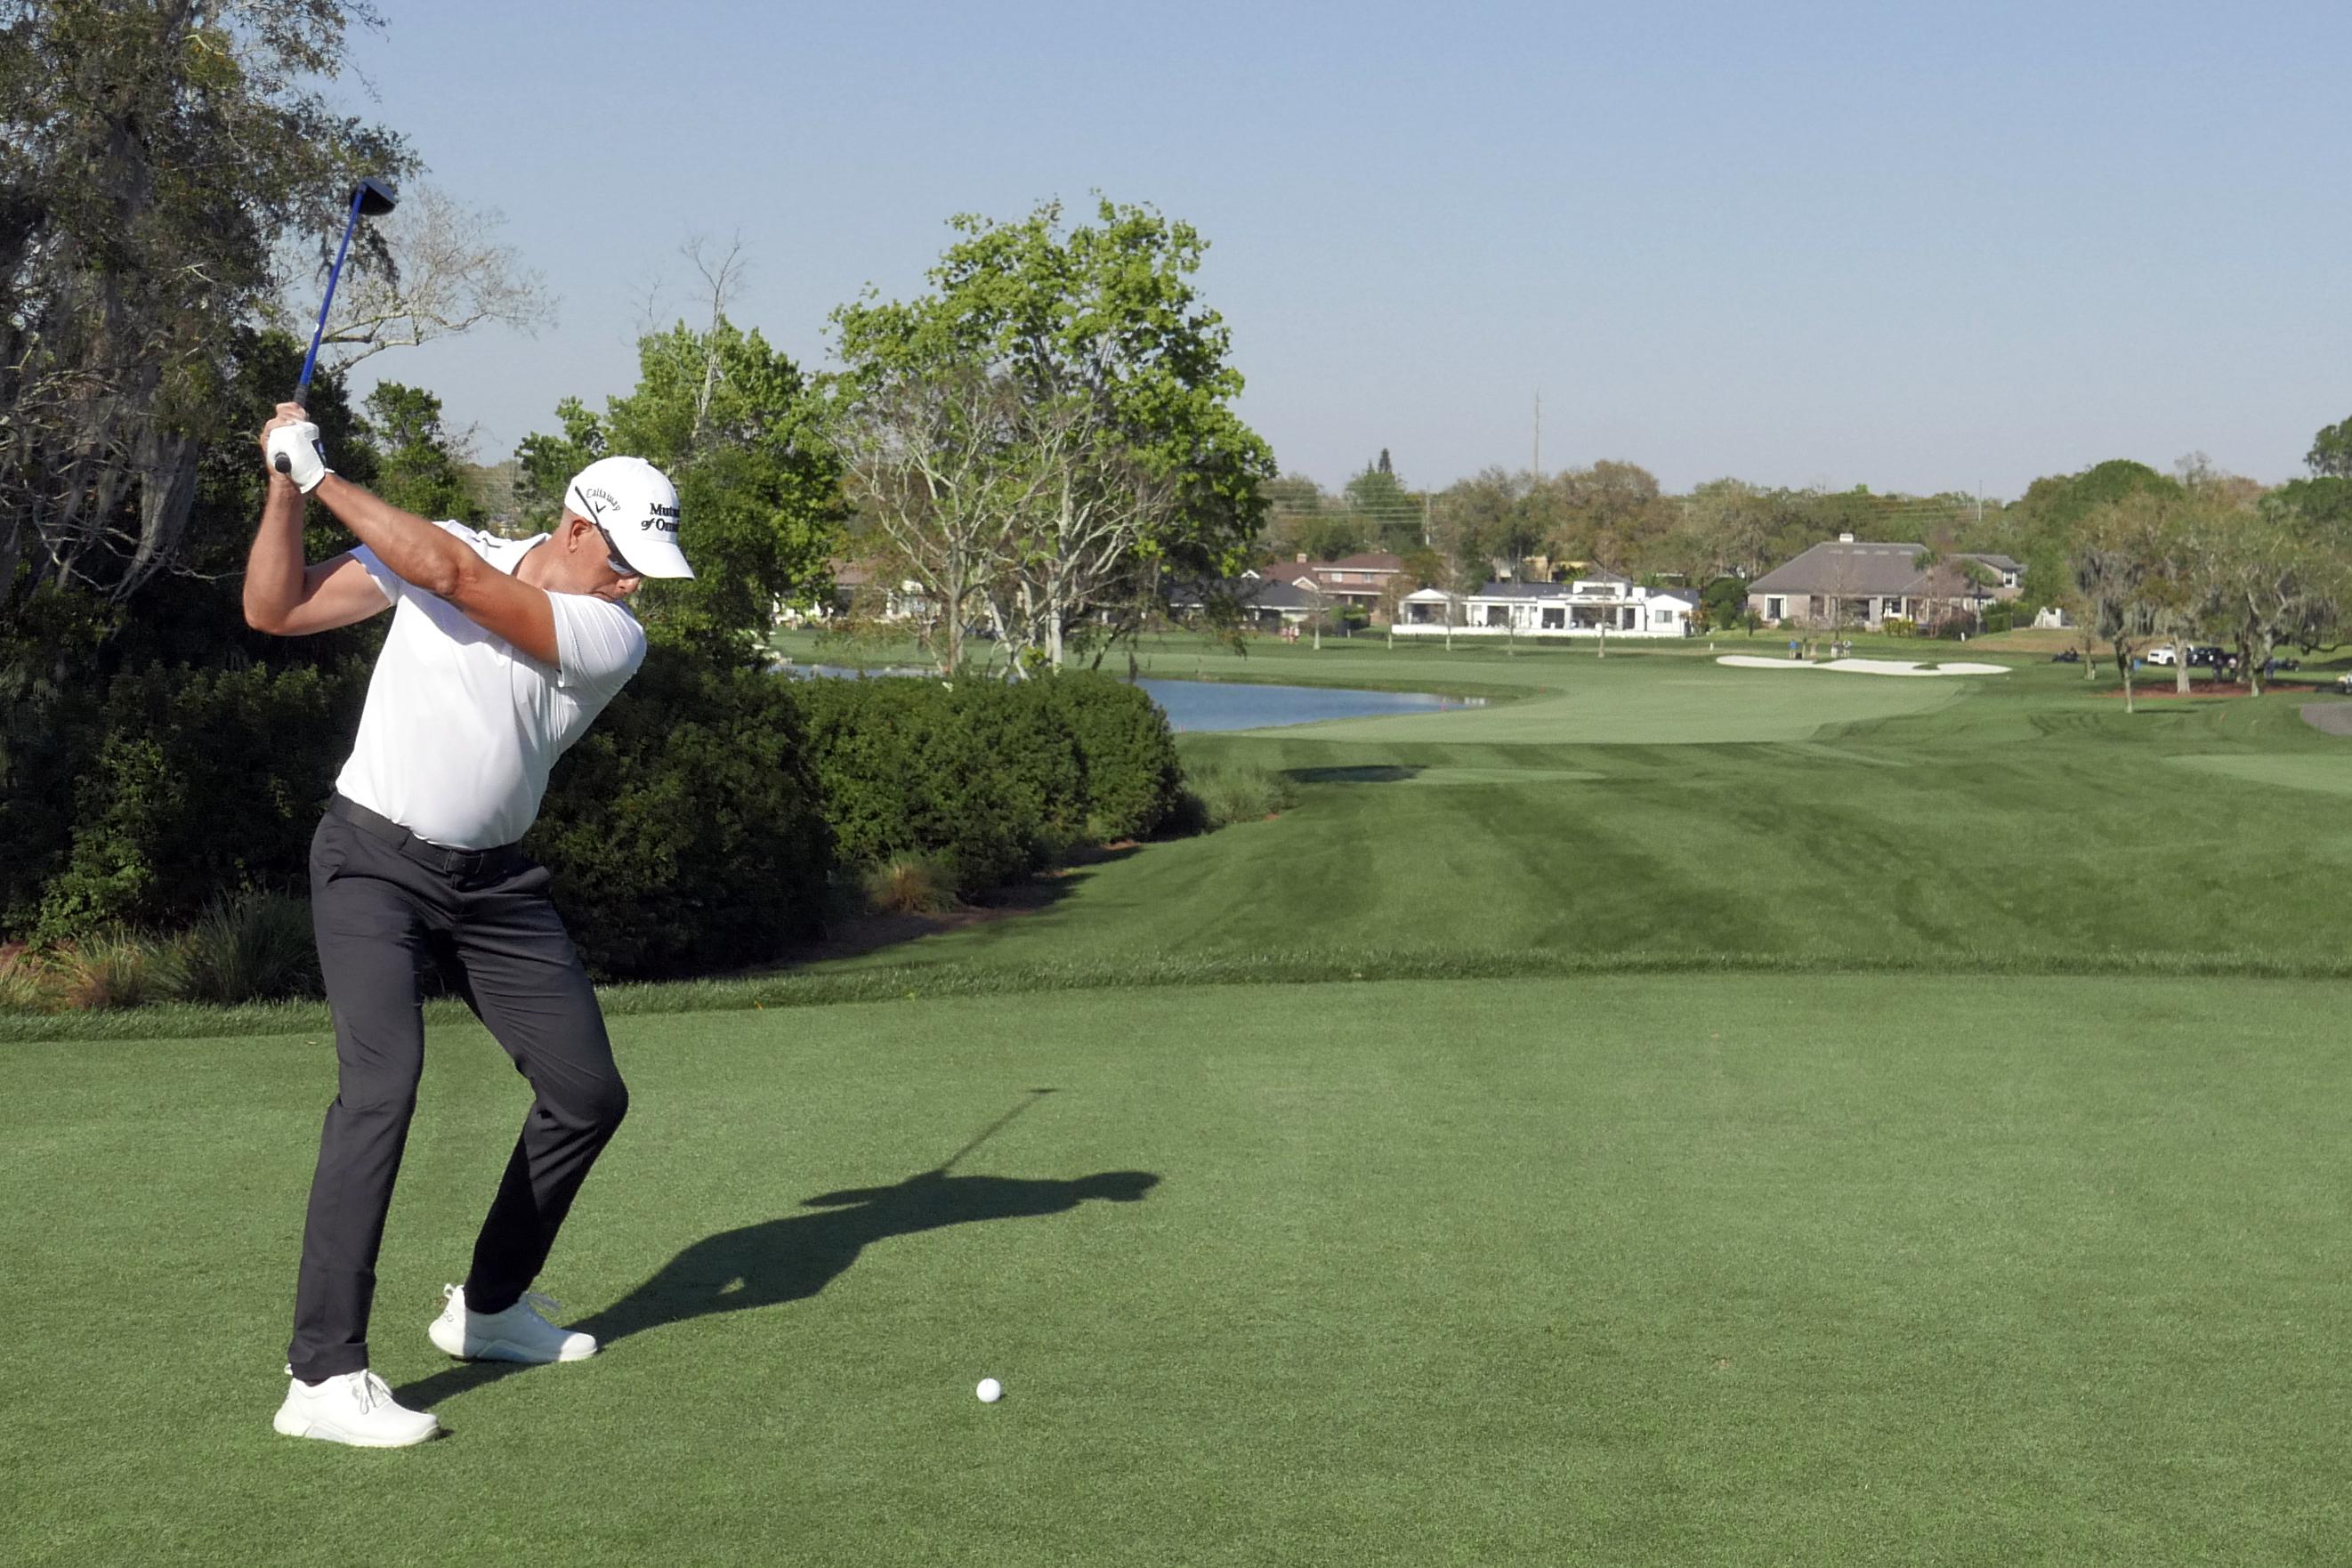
(2163, 655)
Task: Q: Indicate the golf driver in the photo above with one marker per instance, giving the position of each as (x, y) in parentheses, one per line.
(990, 1130)
(369, 198)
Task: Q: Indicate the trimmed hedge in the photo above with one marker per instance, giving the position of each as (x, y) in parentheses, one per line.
(1131, 777)
(684, 830)
(989, 780)
(694, 828)
(903, 769)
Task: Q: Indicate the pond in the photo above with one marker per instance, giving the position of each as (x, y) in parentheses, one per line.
(1203, 705)
(1229, 705)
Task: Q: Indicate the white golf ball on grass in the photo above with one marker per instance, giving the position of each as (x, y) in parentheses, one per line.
(989, 1391)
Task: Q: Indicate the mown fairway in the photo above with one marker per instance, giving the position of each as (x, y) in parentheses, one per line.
(1653, 1270)
(1928, 1164)
(1659, 806)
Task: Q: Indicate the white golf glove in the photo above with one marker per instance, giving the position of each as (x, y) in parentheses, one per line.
(294, 451)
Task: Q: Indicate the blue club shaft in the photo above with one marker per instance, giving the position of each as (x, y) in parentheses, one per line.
(310, 359)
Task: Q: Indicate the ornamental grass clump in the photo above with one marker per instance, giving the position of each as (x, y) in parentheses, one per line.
(910, 884)
(1219, 794)
(111, 969)
(25, 984)
(252, 947)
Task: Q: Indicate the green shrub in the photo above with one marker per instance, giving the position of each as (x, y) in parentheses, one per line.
(902, 769)
(1036, 755)
(1899, 627)
(198, 781)
(253, 946)
(1125, 750)
(684, 830)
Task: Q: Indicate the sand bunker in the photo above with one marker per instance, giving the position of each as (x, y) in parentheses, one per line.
(1863, 666)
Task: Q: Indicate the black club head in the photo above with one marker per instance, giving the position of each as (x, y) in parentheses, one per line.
(376, 199)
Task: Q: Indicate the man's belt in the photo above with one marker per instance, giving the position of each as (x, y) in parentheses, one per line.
(424, 851)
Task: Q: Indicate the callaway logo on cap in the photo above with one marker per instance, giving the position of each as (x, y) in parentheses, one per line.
(635, 503)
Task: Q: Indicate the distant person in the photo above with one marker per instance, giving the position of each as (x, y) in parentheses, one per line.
(501, 653)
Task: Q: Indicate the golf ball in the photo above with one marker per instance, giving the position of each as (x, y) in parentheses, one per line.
(989, 1391)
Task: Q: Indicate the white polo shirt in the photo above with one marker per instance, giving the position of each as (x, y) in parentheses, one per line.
(461, 728)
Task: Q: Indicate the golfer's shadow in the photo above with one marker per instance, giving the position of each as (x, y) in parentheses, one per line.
(792, 1259)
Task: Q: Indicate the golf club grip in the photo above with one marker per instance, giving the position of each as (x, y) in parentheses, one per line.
(283, 464)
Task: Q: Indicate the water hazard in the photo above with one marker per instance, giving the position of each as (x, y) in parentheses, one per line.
(1206, 705)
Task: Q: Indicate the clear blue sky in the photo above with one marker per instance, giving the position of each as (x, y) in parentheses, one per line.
(1914, 248)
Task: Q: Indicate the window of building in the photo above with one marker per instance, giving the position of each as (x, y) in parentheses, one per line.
(1776, 610)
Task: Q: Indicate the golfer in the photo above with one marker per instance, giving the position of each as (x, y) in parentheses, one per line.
(501, 653)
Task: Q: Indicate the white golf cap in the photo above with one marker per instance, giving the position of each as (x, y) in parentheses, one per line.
(635, 503)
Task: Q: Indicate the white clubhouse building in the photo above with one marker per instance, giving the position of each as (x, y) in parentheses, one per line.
(1603, 605)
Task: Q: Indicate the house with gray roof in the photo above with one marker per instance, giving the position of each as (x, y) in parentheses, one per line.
(1847, 583)
(1264, 603)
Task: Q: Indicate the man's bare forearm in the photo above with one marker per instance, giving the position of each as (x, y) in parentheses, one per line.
(411, 549)
(273, 567)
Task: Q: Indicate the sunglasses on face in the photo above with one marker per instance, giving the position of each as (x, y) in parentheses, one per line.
(620, 563)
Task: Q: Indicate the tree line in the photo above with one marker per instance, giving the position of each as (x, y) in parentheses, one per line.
(2187, 534)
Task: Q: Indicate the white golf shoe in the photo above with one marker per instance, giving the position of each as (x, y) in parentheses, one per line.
(518, 1334)
(356, 1408)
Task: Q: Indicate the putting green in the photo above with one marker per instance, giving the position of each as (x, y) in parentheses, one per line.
(1633, 703)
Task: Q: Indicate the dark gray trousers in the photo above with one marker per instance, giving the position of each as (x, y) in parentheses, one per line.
(387, 906)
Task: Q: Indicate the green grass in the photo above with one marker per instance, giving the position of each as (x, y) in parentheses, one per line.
(1655, 808)
(1624, 1271)
(1672, 1115)
(2322, 774)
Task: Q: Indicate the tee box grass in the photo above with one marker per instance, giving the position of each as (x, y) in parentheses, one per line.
(1636, 1270)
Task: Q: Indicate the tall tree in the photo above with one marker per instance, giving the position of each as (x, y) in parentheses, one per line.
(933, 468)
(2259, 586)
(417, 467)
(1729, 524)
(1494, 518)
(2125, 569)
(2330, 456)
(156, 158)
(1611, 512)
(2042, 526)
(742, 433)
(1106, 310)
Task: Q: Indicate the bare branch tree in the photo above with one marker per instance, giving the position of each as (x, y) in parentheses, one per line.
(444, 273)
(1090, 506)
(928, 466)
(722, 274)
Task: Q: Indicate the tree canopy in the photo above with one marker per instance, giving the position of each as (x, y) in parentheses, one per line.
(1104, 310)
(157, 160)
(741, 433)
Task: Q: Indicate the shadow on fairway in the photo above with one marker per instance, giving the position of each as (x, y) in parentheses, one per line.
(1375, 774)
(792, 1259)
(858, 935)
